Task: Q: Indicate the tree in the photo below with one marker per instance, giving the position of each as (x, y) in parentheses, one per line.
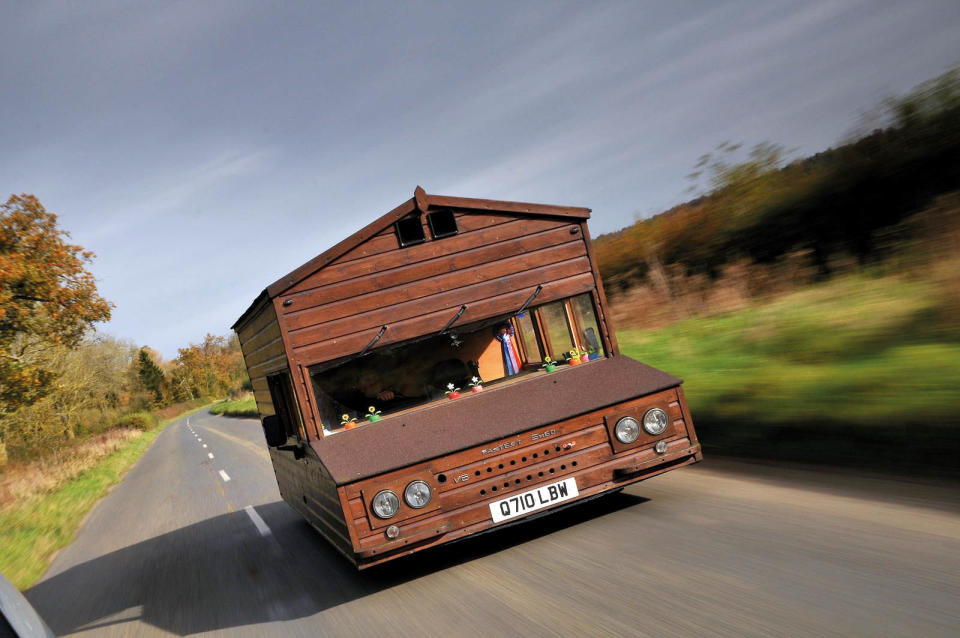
(151, 376)
(212, 368)
(47, 299)
(92, 387)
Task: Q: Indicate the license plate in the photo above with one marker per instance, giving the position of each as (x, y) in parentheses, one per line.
(533, 500)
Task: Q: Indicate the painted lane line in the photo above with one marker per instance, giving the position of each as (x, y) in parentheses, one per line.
(210, 454)
(257, 521)
(224, 476)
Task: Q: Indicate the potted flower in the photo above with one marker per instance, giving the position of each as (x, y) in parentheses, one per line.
(573, 358)
(347, 422)
(549, 365)
(592, 353)
(452, 392)
(373, 414)
(476, 384)
(584, 355)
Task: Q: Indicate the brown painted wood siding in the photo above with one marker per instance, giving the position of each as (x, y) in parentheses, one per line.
(516, 469)
(263, 353)
(493, 265)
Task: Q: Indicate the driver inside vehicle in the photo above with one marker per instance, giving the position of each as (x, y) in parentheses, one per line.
(374, 384)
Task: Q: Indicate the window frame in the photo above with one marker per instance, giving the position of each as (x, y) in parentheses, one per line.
(541, 335)
(285, 406)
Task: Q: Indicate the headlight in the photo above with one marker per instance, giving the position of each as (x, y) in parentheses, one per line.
(627, 429)
(417, 494)
(385, 504)
(655, 421)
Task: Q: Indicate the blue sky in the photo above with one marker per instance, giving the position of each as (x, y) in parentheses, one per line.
(203, 150)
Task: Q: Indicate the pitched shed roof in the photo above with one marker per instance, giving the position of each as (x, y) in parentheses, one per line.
(420, 202)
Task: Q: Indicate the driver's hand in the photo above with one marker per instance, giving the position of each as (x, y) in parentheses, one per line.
(385, 395)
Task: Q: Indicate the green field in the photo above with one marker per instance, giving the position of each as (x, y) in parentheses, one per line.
(859, 368)
(245, 407)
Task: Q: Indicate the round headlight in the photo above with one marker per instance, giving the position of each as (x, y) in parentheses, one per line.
(385, 504)
(655, 421)
(627, 429)
(417, 494)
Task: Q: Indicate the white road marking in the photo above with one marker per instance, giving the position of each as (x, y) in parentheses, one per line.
(257, 521)
(199, 439)
(204, 445)
(210, 454)
(224, 476)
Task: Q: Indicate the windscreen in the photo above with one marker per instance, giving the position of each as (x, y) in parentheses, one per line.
(414, 373)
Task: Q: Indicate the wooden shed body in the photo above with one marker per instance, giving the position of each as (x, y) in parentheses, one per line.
(369, 292)
(336, 303)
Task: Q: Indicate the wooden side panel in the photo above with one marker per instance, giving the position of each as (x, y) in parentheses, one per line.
(308, 488)
(492, 266)
(322, 501)
(435, 321)
(263, 353)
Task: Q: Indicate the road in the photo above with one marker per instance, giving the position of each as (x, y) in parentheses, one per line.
(195, 539)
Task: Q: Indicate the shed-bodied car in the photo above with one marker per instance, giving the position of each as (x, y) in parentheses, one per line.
(450, 368)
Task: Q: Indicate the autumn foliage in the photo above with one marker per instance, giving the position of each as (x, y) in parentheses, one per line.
(47, 298)
(60, 381)
(843, 203)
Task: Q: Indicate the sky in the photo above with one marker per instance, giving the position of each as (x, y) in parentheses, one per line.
(204, 149)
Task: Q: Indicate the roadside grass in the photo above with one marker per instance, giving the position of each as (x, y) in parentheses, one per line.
(33, 530)
(245, 407)
(21, 481)
(869, 357)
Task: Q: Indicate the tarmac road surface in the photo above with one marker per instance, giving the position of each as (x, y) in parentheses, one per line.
(196, 539)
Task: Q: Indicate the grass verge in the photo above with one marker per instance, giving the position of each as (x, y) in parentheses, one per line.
(32, 531)
(245, 407)
(859, 370)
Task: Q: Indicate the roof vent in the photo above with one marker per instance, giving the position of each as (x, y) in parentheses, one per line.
(442, 223)
(410, 231)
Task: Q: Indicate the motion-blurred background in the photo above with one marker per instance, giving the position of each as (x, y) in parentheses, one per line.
(812, 303)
